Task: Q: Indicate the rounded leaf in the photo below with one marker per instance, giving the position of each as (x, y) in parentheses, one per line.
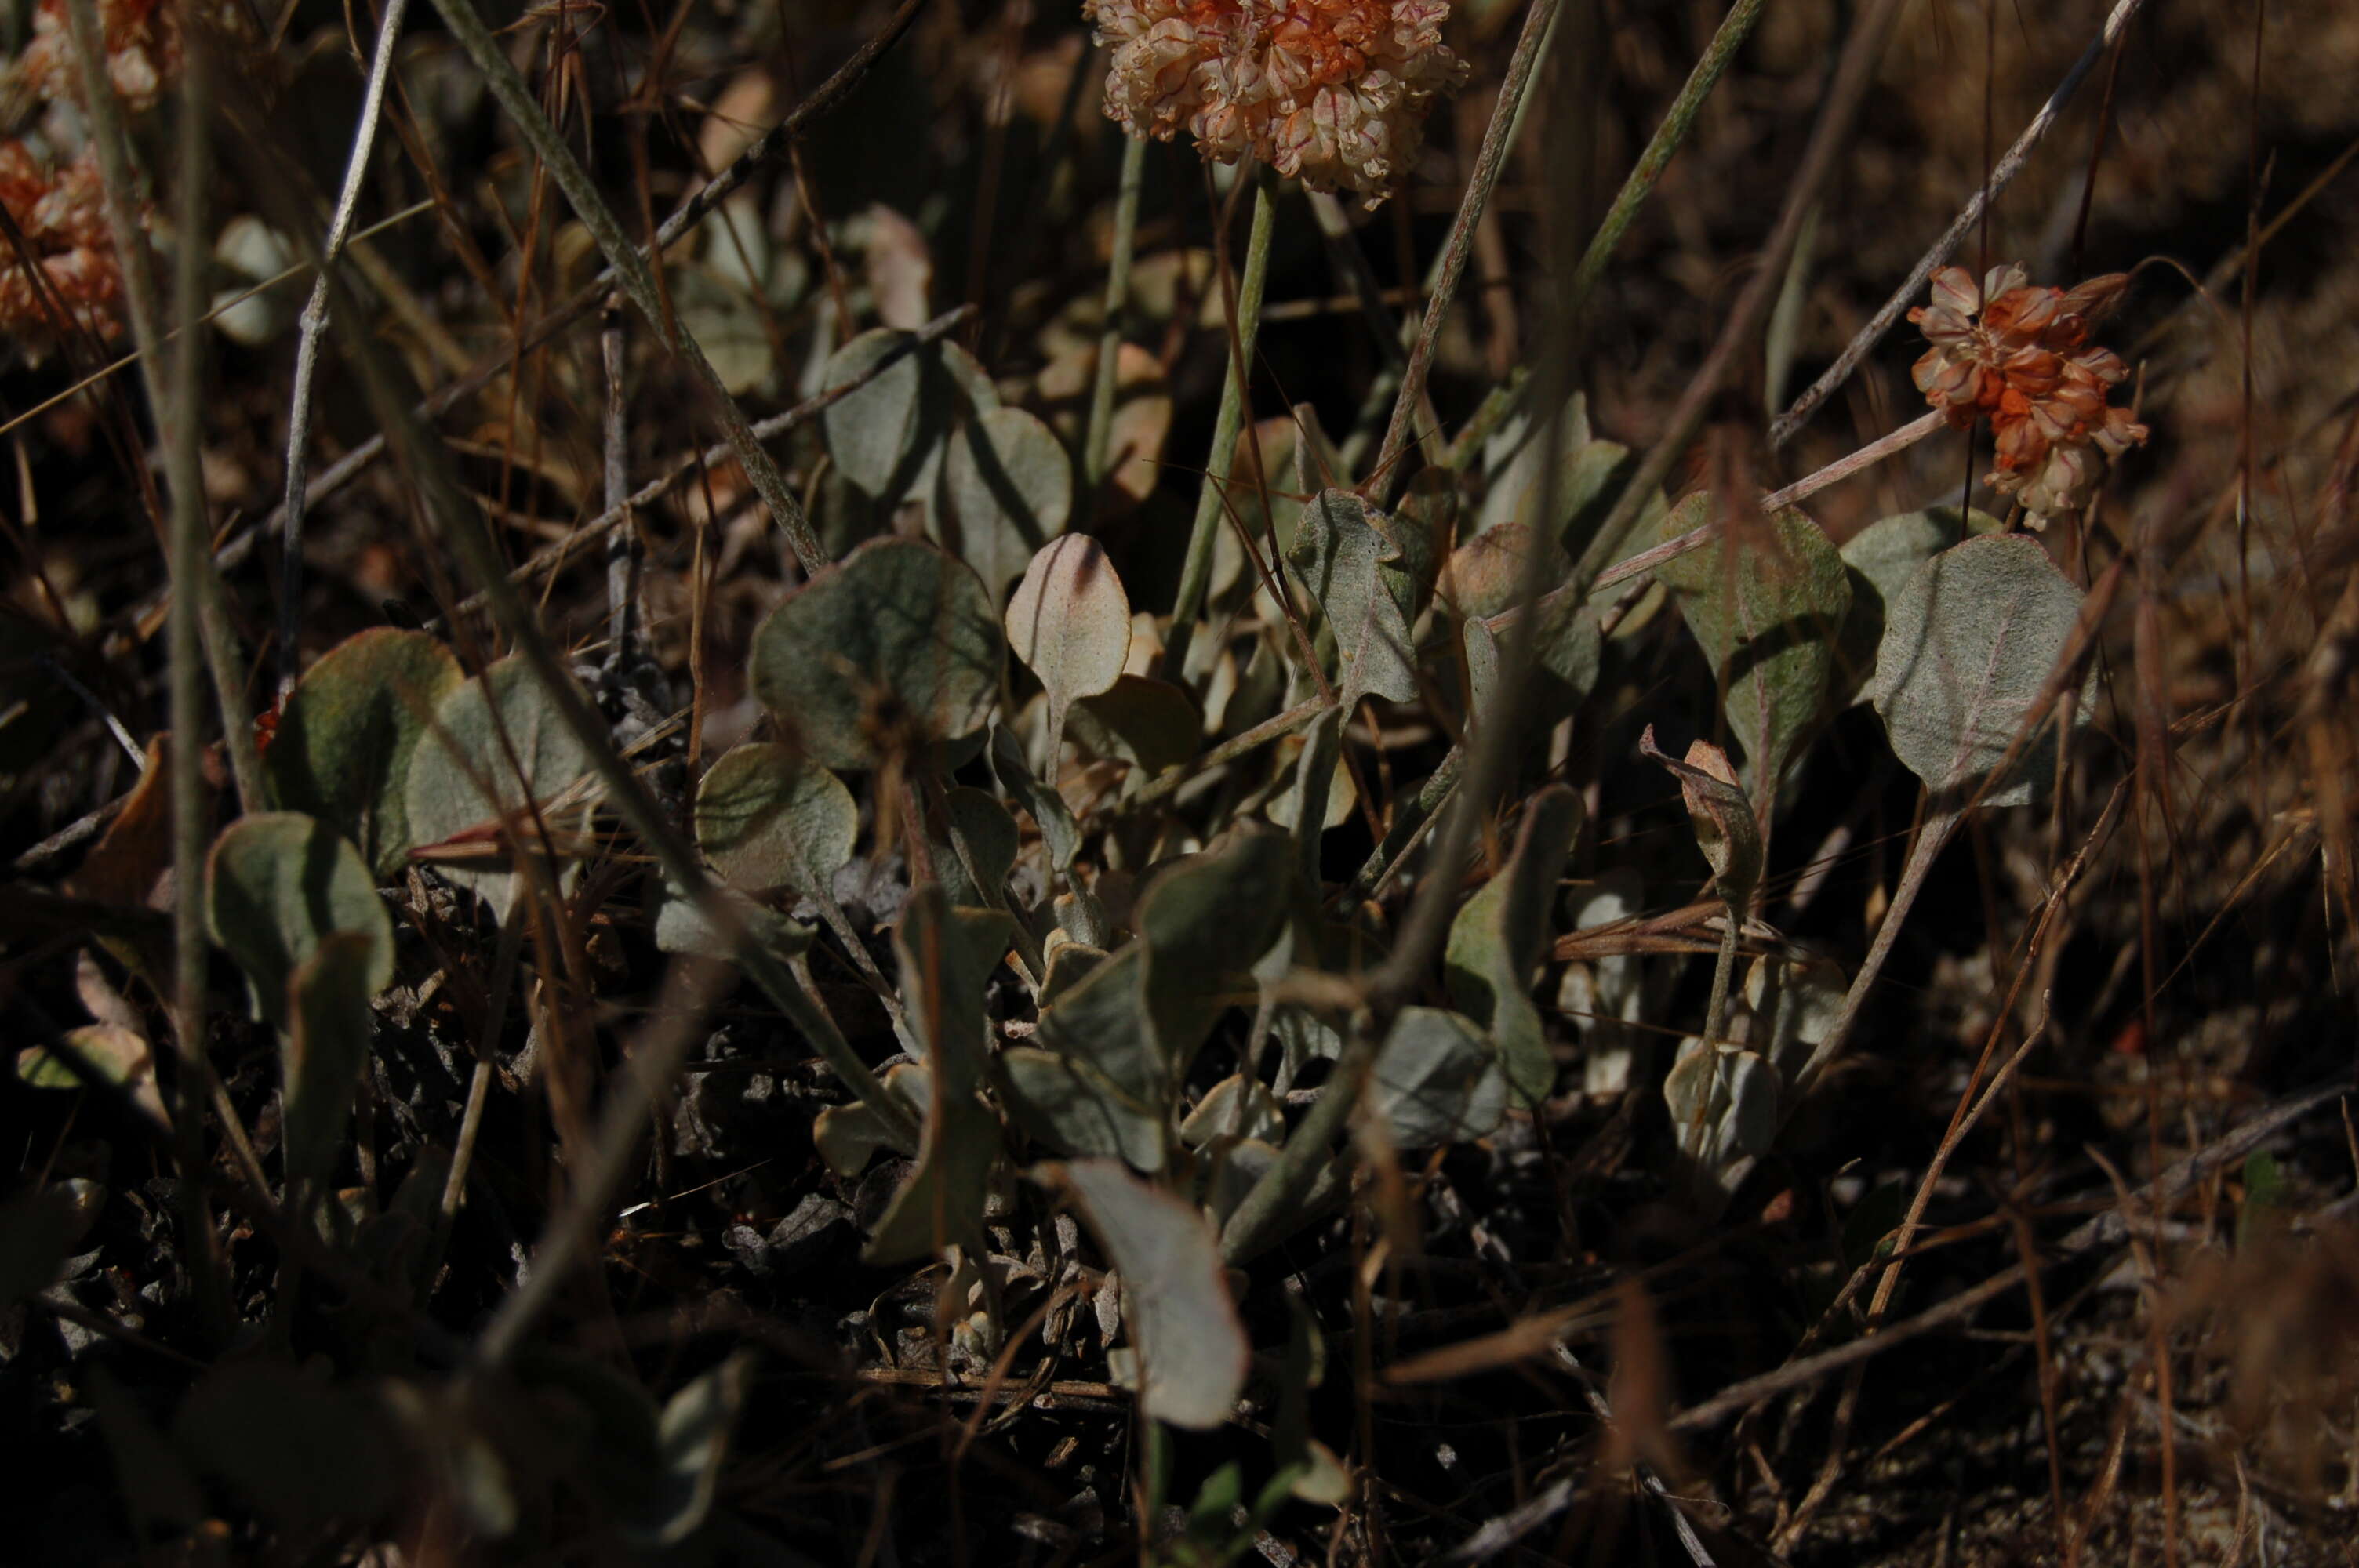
(498, 764)
(894, 649)
(889, 436)
(1010, 488)
(343, 743)
(279, 884)
(1192, 1352)
(1968, 648)
(1070, 621)
(768, 817)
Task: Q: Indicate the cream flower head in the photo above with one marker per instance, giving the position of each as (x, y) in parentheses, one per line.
(1334, 92)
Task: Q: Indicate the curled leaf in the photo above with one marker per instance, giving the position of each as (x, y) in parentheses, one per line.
(1724, 827)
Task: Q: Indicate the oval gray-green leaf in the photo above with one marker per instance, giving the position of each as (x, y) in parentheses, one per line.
(1968, 647)
(325, 1048)
(342, 748)
(888, 437)
(278, 885)
(1436, 1080)
(1880, 559)
(1010, 486)
(497, 748)
(1192, 1351)
(1141, 720)
(1070, 621)
(895, 646)
(1768, 619)
(768, 817)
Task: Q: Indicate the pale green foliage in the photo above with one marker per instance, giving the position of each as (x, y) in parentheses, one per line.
(1970, 649)
(1192, 1351)
(1765, 611)
(896, 649)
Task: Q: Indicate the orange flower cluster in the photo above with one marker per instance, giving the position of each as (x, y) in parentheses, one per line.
(142, 51)
(63, 214)
(2021, 356)
(1334, 92)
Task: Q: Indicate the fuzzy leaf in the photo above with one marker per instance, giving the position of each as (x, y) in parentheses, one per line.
(889, 436)
(1485, 572)
(279, 884)
(1192, 1352)
(1566, 659)
(1724, 1104)
(1500, 934)
(1339, 547)
(1880, 559)
(682, 927)
(1010, 487)
(1767, 619)
(342, 746)
(979, 830)
(326, 1046)
(894, 648)
(485, 731)
(1076, 1112)
(767, 816)
(1148, 723)
(120, 1054)
(946, 957)
(1202, 921)
(1049, 813)
(1070, 622)
(1436, 1080)
(691, 1440)
(1968, 646)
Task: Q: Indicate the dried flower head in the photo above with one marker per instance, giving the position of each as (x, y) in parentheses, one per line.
(1334, 92)
(2021, 357)
(62, 215)
(142, 51)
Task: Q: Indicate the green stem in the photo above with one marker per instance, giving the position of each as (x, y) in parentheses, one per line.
(1735, 29)
(1244, 321)
(1853, 75)
(1097, 451)
(172, 397)
(1497, 138)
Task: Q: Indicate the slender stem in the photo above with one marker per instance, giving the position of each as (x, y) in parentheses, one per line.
(143, 298)
(623, 544)
(1842, 469)
(631, 268)
(1715, 1013)
(1522, 72)
(1244, 321)
(565, 551)
(1272, 729)
(2001, 174)
(171, 395)
(307, 348)
(1410, 819)
(1853, 76)
(1097, 451)
(1942, 820)
(1269, 1208)
(829, 96)
(1677, 121)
